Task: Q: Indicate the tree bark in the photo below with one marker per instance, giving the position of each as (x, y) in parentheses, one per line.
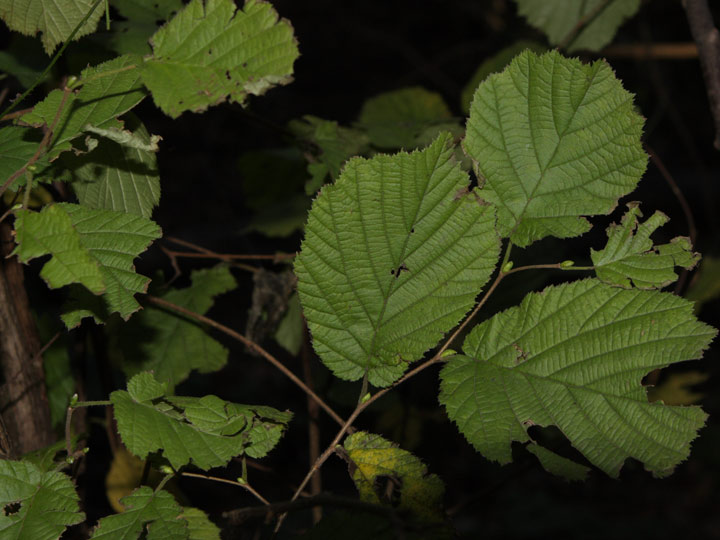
(23, 398)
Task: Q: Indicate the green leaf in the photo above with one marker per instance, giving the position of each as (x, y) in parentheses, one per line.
(95, 248)
(495, 64)
(336, 144)
(132, 36)
(630, 254)
(56, 20)
(207, 431)
(574, 356)
(48, 502)
(558, 18)
(373, 458)
(558, 465)
(290, 331)
(396, 119)
(553, 139)
(394, 254)
(199, 525)
(210, 52)
(145, 510)
(17, 146)
(108, 91)
(115, 177)
(47, 459)
(177, 345)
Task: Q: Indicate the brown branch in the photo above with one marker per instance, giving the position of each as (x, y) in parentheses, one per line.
(707, 37)
(243, 485)
(208, 254)
(654, 51)
(251, 345)
(313, 428)
(16, 114)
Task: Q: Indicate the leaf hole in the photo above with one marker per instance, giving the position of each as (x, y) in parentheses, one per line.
(12, 508)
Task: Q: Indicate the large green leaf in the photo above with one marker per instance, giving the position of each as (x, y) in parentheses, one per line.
(48, 502)
(117, 177)
(553, 139)
(56, 20)
(95, 248)
(210, 52)
(207, 431)
(373, 458)
(559, 18)
(155, 512)
(630, 254)
(108, 90)
(199, 525)
(175, 345)
(394, 254)
(574, 356)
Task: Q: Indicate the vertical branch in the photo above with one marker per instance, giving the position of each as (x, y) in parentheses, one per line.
(707, 38)
(313, 428)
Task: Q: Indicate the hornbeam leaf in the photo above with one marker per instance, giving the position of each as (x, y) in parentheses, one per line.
(199, 525)
(210, 52)
(373, 458)
(95, 248)
(108, 91)
(177, 345)
(559, 18)
(553, 139)
(145, 510)
(46, 502)
(207, 431)
(574, 356)
(56, 20)
(394, 254)
(630, 254)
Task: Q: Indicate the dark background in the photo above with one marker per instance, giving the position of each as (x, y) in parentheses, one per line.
(350, 51)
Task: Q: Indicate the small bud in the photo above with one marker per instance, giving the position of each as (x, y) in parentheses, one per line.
(241, 480)
(31, 168)
(567, 264)
(85, 450)
(73, 400)
(165, 469)
(507, 267)
(447, 353)
(365, 398)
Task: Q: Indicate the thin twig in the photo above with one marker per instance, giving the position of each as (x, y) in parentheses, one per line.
(707, 37)
(16, 114)
(245, 485)
(582, 23)
(654, 51)
(207, 253)
(313, 428)
(252, 345)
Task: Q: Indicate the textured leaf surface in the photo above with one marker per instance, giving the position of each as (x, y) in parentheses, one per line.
(17, 146)
(630, 254)
(176, 345)
(145, 510)
(495, 64)
(207, 431)
(393, 257)
(48, 502)
(209, 52)
(374, 458)
(554, 139)
(574, 356)
(109, 90)
(95, 248)
(396, 119)
(115, 177)
(199, 525)
(558, 18)
(56, 20)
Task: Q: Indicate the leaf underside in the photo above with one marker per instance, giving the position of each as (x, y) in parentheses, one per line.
(394, 254)
(631, 255)
(553, 140)
(574, 356)
(207, 431)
